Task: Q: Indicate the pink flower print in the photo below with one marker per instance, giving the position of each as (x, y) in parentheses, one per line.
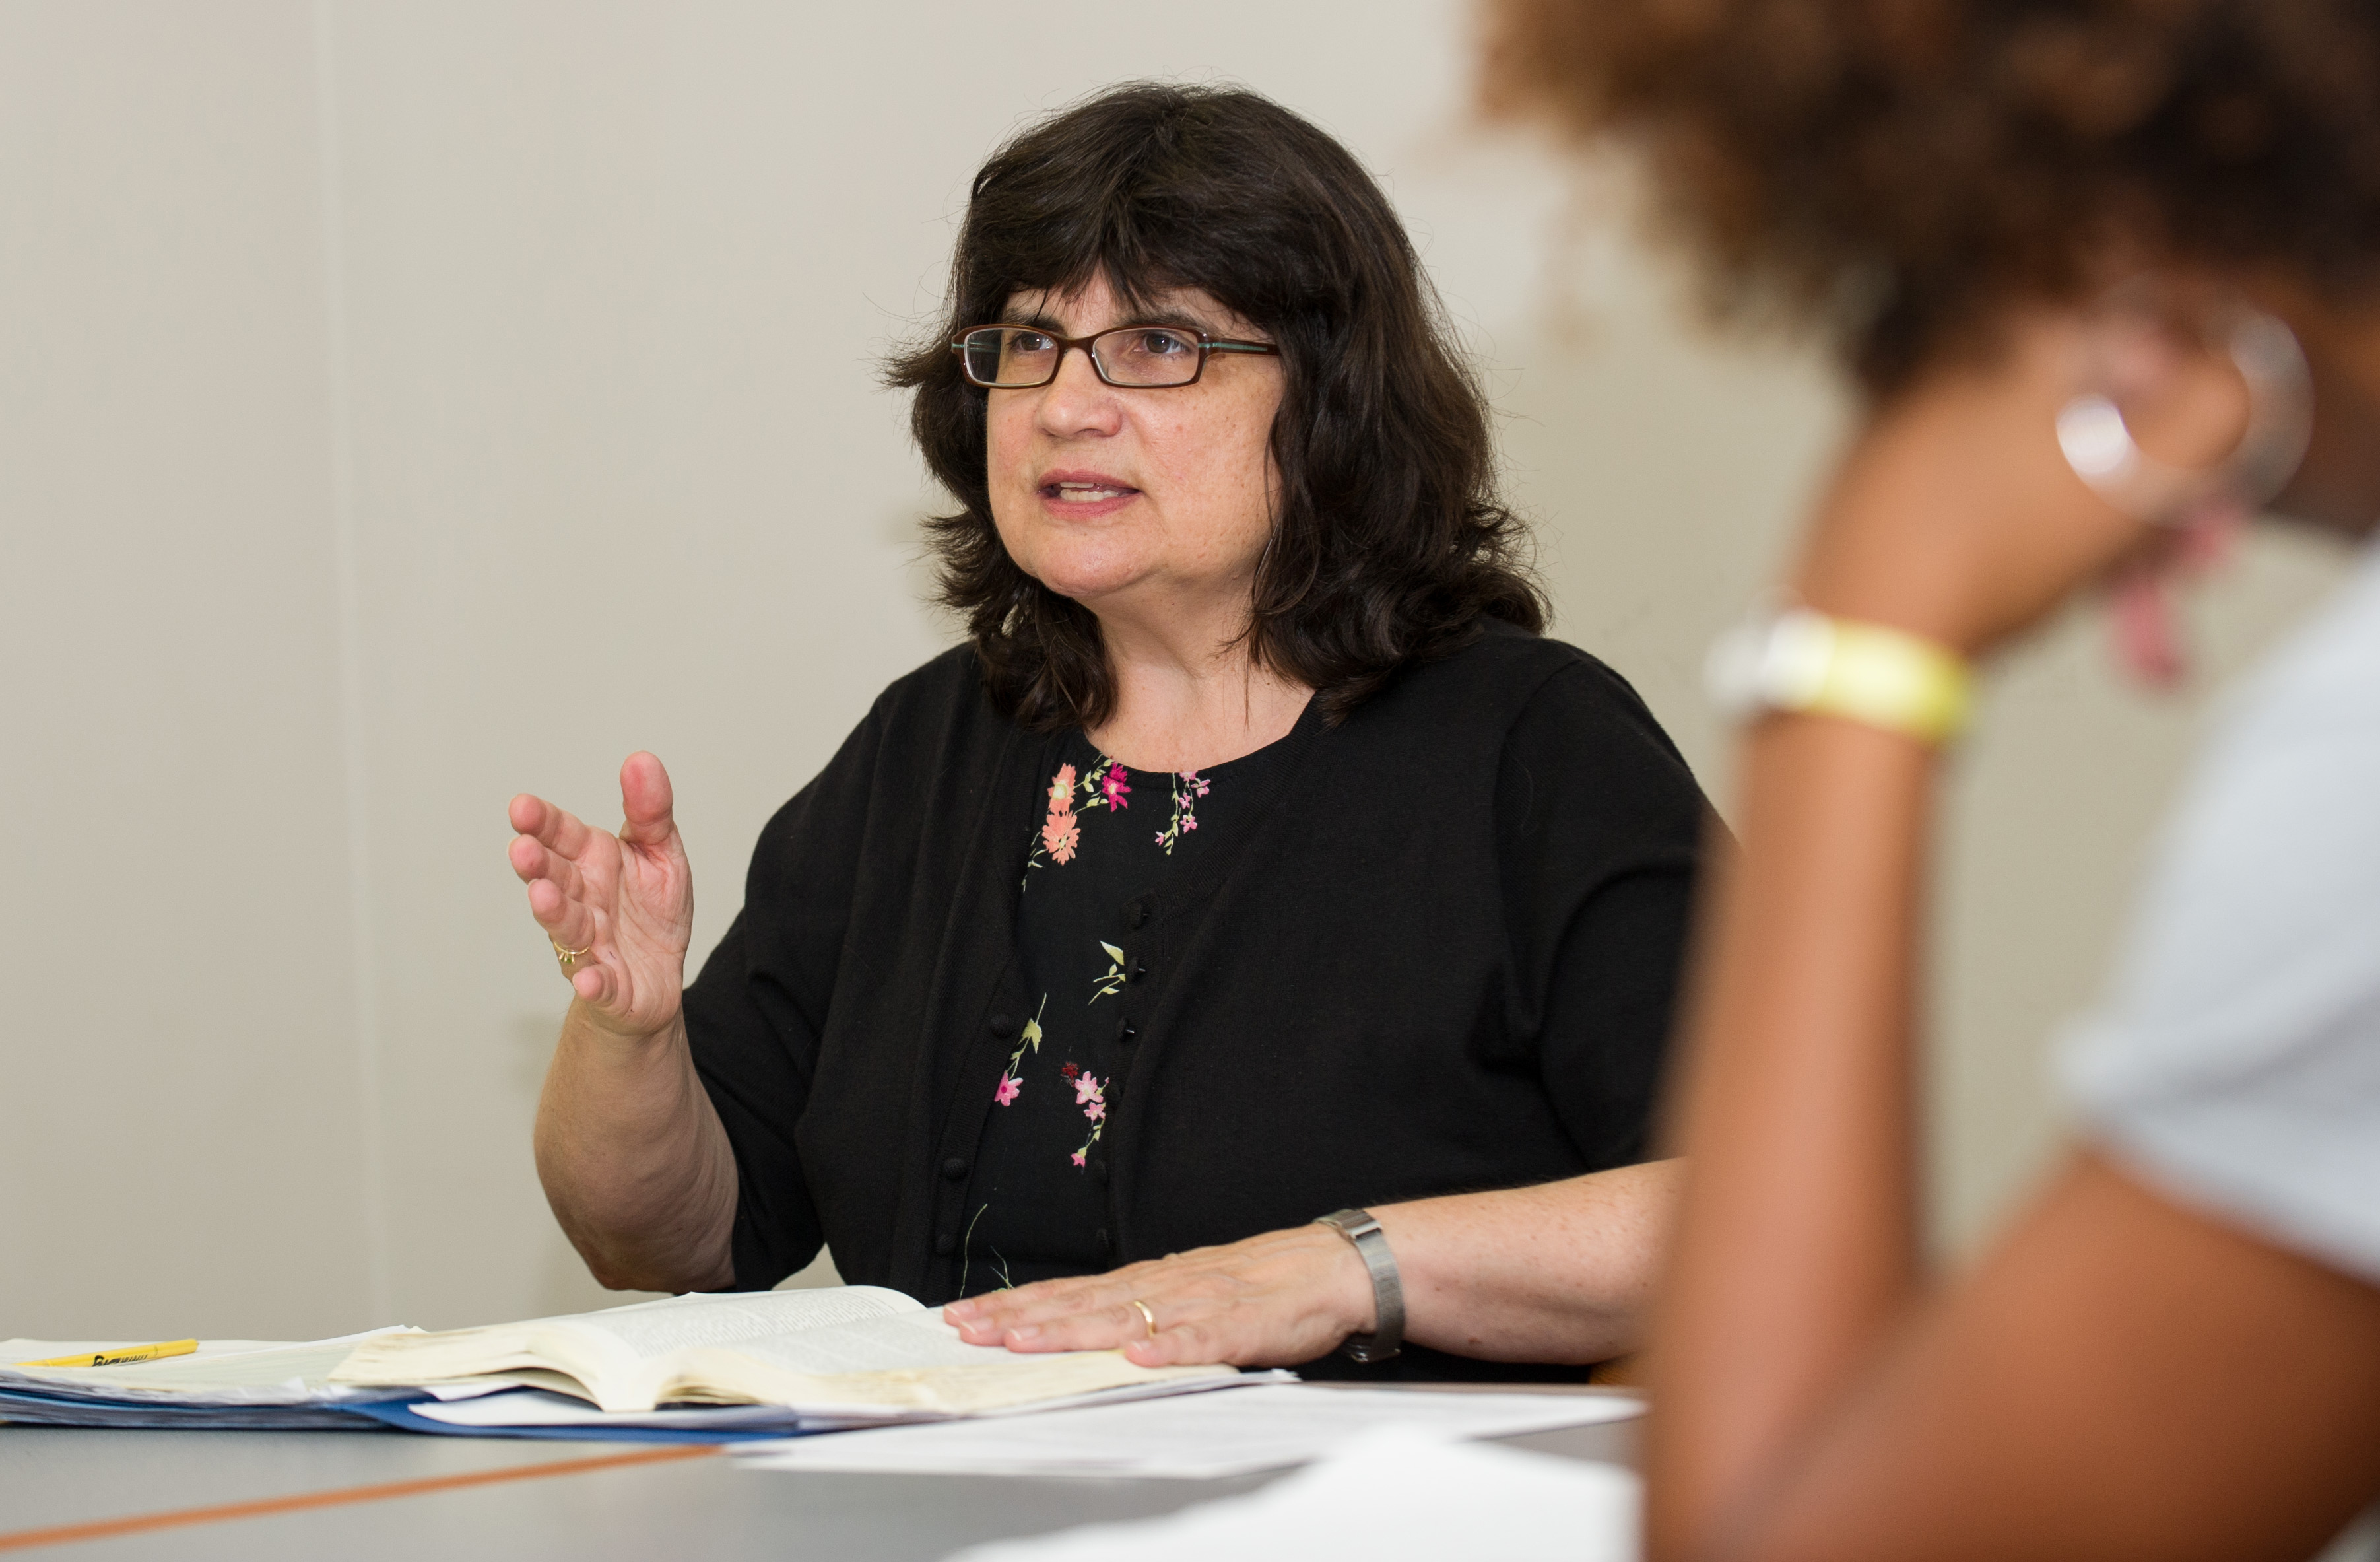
(1188, 788)
(1111, 787)
(1061, 834)
(1095, 1111)
(1087, 1087)
(1009, 1085)
(1077, 1156)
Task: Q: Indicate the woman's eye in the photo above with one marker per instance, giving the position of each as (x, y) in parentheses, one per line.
(1159, 344)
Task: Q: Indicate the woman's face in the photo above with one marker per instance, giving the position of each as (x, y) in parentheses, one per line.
(1136, 500)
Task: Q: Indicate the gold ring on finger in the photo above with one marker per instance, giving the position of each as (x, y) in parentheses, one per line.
(567, 956)
(1146, 1316)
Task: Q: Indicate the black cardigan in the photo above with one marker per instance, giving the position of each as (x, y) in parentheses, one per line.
(1442, 960)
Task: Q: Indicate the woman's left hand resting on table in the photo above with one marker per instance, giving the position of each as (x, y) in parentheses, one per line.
(1562, 1272)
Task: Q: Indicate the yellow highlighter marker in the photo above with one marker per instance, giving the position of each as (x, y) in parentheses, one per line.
(119, 1358)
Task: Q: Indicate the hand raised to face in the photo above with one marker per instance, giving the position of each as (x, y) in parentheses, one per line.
(626, 901)
(1271, 1300)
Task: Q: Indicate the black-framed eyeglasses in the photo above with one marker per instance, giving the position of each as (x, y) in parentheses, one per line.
(1133, 357)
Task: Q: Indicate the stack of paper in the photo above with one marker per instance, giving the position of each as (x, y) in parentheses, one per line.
(1399, 1494)
(224, 1383)
(1263, 1427)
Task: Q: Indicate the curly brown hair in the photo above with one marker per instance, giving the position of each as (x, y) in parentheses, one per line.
(1899, 171)
(1391, 543)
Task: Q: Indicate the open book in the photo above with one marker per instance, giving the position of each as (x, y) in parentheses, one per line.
(855, 1351)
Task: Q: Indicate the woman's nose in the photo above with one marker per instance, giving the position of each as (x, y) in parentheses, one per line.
(1078, 401)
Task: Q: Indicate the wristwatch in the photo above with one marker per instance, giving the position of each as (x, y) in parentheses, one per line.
(1388, 1334)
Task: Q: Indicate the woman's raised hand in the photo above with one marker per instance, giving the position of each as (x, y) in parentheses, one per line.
(626, 899)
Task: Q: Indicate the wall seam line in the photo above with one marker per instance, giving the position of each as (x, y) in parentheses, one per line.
(347, 567)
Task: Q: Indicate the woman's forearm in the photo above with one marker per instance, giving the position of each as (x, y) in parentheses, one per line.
(1562, 1272)
(1954, 519)
(635, 1161)
(1798, 1247)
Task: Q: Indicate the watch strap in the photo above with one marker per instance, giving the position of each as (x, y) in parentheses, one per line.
(1371, 1245)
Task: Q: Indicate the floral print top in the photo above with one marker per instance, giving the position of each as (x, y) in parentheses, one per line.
(1105, 842)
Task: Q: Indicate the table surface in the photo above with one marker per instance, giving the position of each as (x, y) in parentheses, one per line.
(513, 1498)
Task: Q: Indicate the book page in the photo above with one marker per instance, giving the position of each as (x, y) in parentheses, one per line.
(742, 1321)
(914, 1363)
(872, 1345)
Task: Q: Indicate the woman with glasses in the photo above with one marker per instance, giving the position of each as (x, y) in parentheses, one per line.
(1254, 864)
(2110, 272)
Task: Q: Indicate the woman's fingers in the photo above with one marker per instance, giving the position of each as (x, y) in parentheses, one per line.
(624, 900)
(558, 886)
(645, 802)
(557, 828)
(533, 861)
(1281, 1298)
(566, 920)
(988, 1319)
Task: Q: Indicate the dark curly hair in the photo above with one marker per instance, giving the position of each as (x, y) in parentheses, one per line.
(1901, 170)
(1391, 543)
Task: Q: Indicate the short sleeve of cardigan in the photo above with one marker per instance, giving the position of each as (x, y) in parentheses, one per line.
(754, 1016)
(1600, 828)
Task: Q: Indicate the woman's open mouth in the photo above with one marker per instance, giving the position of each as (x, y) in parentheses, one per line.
(1085, 493)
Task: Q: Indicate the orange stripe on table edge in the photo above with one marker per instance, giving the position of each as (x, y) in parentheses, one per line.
(103, 1527)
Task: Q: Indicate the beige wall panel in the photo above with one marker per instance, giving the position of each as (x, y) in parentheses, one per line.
(178, 1058)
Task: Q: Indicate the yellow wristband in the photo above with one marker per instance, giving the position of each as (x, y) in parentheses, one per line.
(1882, 677)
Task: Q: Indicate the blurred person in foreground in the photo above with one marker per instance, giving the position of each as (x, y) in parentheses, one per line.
(1255, 860)
(2064, 247)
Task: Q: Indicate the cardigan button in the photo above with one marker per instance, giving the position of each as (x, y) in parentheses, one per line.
(1102, 1235)
(954, 1169)
(1003, 1026)
(945, 1245)
(1127, 1033)
(1140, 971)
(1135, 912)
(1099, 1170)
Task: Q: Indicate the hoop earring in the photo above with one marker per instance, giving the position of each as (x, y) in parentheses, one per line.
(2202, 507)
(2098, 444)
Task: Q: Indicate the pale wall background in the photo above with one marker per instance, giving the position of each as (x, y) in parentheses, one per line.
(407, 404)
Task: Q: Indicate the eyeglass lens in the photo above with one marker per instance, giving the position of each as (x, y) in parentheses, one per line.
(1018, 356)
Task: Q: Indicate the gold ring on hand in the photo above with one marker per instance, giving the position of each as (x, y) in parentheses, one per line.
(567, 956)
(1145, 1315)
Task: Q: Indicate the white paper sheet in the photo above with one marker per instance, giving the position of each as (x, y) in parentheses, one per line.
(1397, 1493)
(1196, 1436)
